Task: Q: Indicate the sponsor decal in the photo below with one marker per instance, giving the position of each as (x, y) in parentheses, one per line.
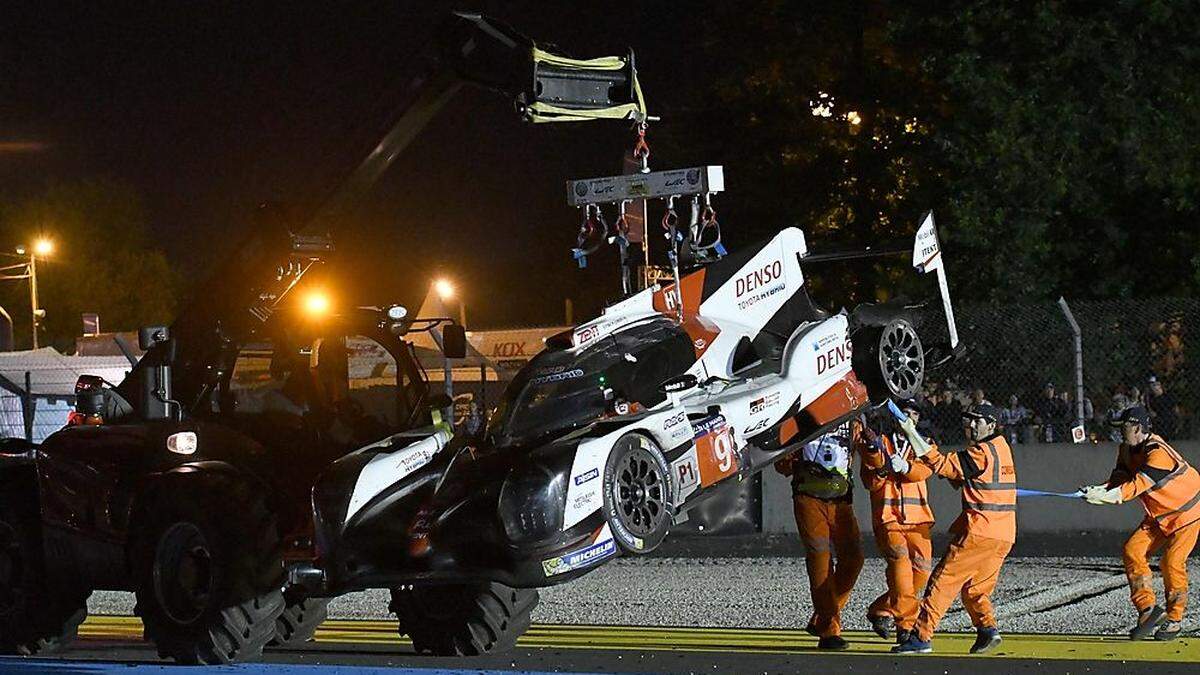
(676, 426)
(507, 350)
(755, 428)
(586, 335)
(756, 279)
(558, 377)
(759, 297)
(699, 343)
(586, 476)
(705, 427)
(579, 559)
(584, 502)
(761, 404)
(834, 356)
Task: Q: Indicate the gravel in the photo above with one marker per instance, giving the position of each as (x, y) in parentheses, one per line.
(1056, 595)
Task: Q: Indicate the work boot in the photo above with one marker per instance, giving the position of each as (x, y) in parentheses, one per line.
(986, 639)
(882, 624)
(833, 643)
(902, 635)
(1148, 620)
(1169, 630)
(914, 645)
(811, 629)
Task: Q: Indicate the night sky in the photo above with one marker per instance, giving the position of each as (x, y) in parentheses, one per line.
(211, 108)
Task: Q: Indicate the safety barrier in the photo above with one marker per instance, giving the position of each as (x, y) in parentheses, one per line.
(1054, 467)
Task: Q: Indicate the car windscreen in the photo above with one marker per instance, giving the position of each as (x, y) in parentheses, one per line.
(561, 390)
(556, 390)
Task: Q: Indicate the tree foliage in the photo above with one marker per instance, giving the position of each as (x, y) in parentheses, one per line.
(1066, 142)
(1055, 141)
(104, 261)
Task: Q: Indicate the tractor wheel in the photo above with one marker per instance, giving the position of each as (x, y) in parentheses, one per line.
(637, 494)
(299, 621)
(464, 619)
(888, 359)
(35, 617)
(210, 571)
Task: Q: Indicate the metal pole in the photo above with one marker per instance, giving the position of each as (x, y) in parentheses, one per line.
(33, 298)
(28, 406)
(447, 377)
(1077, 339)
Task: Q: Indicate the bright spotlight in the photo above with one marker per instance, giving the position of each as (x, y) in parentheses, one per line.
(316, 303)
(444, 288)
(43, 247)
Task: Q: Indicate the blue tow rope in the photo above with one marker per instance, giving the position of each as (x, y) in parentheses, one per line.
(1021, 492)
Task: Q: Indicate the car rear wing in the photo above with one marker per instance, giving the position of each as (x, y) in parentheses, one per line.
(927, 257)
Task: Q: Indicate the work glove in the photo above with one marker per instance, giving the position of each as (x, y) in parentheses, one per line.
(919, 445)
(1101, 494)
(898, 464)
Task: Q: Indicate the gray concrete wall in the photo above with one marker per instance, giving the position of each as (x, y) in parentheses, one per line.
(1058, 468)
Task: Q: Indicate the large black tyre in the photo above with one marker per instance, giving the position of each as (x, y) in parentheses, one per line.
(299, 621)
(637, 493)
(889, 360)
(209, 570)
(463, 619)
(35, 617)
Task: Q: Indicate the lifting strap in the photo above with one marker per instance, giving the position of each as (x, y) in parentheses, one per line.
(612, 71)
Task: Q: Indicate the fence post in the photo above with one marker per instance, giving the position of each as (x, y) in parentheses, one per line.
(28, 406)
(1077, 339)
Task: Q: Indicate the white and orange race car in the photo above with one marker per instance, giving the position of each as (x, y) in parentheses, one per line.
(607, 437)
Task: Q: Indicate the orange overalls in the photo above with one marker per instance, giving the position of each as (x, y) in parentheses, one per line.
(901, 519)
(983, 533)
(828, 530)
(1170, 492)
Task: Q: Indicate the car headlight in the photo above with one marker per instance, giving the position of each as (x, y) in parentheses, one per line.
(532, 502)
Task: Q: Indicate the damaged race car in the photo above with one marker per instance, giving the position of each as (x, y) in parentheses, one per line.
(606, 438)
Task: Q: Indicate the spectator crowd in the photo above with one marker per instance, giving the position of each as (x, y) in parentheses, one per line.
(1051, 415)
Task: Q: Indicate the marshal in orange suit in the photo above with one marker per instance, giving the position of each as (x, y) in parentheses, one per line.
(901, 519)
(983, 534)
(1169, 488)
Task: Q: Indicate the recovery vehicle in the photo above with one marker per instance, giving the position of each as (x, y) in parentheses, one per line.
(189, 483)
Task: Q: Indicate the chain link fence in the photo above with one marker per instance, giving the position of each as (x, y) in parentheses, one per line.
(1021, 357)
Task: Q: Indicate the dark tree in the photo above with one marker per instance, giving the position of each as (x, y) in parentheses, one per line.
(104, 261)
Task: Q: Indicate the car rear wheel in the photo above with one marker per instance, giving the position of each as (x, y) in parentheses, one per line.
(889, 360)
(209, 571)
(463, 619)
(637, 493)
(35, 617)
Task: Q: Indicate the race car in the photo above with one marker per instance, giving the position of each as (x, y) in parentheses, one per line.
(604, 439)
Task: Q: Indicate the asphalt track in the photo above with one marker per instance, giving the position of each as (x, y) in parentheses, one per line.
(358, 647)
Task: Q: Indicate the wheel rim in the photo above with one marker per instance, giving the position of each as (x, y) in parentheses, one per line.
(901, 360)
(183, 573)
(11, 567)
(640, 492)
